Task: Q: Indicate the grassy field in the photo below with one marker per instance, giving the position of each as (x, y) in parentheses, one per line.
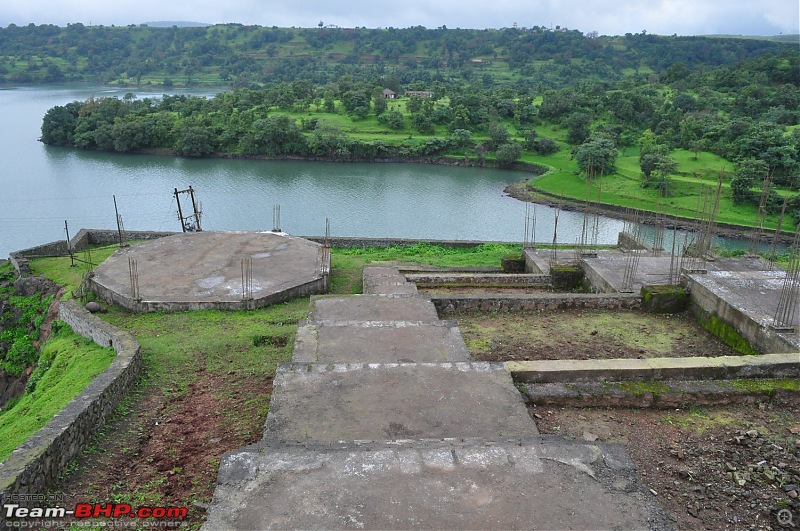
(694, 179)
(696, 174)
(68, 363)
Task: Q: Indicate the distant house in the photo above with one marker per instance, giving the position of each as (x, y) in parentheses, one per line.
(389, 94)
(419, 93)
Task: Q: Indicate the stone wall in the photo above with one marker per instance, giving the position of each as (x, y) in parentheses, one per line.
(38, 462)
(454, 279)
(539, 302)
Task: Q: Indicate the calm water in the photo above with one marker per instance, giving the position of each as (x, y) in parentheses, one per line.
(41, 187)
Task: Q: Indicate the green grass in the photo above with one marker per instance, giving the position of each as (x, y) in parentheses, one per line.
(61, 271)
(346, 263)
(177, 346)
(624, 188)
(68, 364)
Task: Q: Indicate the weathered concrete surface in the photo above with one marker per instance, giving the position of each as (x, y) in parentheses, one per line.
(606, 272)
(746, 300)
(694, 368)
(348, 402)
(666, 394)
(540, 482)
(374, 308)
(204, 270)
(374, 445)
(380, 342)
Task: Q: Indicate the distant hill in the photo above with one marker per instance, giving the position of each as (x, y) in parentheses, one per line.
(775, 38)
(178, 23)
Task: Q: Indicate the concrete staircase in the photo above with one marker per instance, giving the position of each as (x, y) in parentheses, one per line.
(382, 420)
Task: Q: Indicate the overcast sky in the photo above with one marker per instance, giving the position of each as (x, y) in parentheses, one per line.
(608, 17)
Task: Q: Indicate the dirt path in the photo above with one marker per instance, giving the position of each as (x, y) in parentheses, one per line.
(166, 452)
(592, 334)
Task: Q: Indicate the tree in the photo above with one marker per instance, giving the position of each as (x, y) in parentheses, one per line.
(462, 138)
(498, 134)
(509, 153)
(748, 173)
(58, 124)
(392, 119)
(596, 156)
(274, 136)
(379, 104)
(195, 141)
(578, 127)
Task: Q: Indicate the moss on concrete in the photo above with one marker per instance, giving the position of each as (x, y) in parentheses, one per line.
(766, 385)
(664, 299)
(726, 333)
(566, 277)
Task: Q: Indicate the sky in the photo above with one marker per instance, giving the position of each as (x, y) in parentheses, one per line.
(607, 17)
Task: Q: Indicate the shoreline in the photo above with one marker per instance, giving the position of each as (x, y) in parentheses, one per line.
(523, 192)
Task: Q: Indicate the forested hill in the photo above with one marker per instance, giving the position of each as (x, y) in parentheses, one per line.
(248, 56)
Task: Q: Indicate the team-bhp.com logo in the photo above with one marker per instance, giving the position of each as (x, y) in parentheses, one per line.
(94, 510)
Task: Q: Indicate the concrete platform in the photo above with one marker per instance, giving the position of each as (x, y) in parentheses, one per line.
(347, 402)
(533, 483)
(379, 342)
(607, 271)
(204, 270)
(374, 308)
(747, 301)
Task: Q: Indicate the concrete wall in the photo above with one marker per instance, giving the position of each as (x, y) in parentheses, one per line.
(705, 303)
(400, 242)
(38, 462)
(596, 280)
(539, 302)
(314, 287)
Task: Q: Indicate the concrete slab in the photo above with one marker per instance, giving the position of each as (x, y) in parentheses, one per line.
(204, 270)
(607, 270)
(541, 482)
(374, 308)
(380, 342)
(400, 290)
(347, 402)
(785, 365)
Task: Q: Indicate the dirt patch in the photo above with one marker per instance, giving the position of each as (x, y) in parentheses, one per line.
(586, 335)
(726, 467)
(165, 451)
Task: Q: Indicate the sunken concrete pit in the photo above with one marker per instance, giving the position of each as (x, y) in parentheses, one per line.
(211, 270)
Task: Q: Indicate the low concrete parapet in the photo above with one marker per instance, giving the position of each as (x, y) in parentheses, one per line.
(656, 369)
(668, 394)
(541, 302)
(38, 462)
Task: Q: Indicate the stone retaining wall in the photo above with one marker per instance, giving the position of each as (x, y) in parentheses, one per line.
(540, 302)
(452, 279)
(38, 462)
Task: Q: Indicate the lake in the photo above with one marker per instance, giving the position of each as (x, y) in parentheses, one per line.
(41, 187)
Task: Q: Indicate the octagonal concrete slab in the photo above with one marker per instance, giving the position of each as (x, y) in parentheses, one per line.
(212, 270)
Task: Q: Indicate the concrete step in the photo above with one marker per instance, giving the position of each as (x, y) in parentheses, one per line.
(373, 308)
(383, 401)
(541, 482)
(379, 342)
